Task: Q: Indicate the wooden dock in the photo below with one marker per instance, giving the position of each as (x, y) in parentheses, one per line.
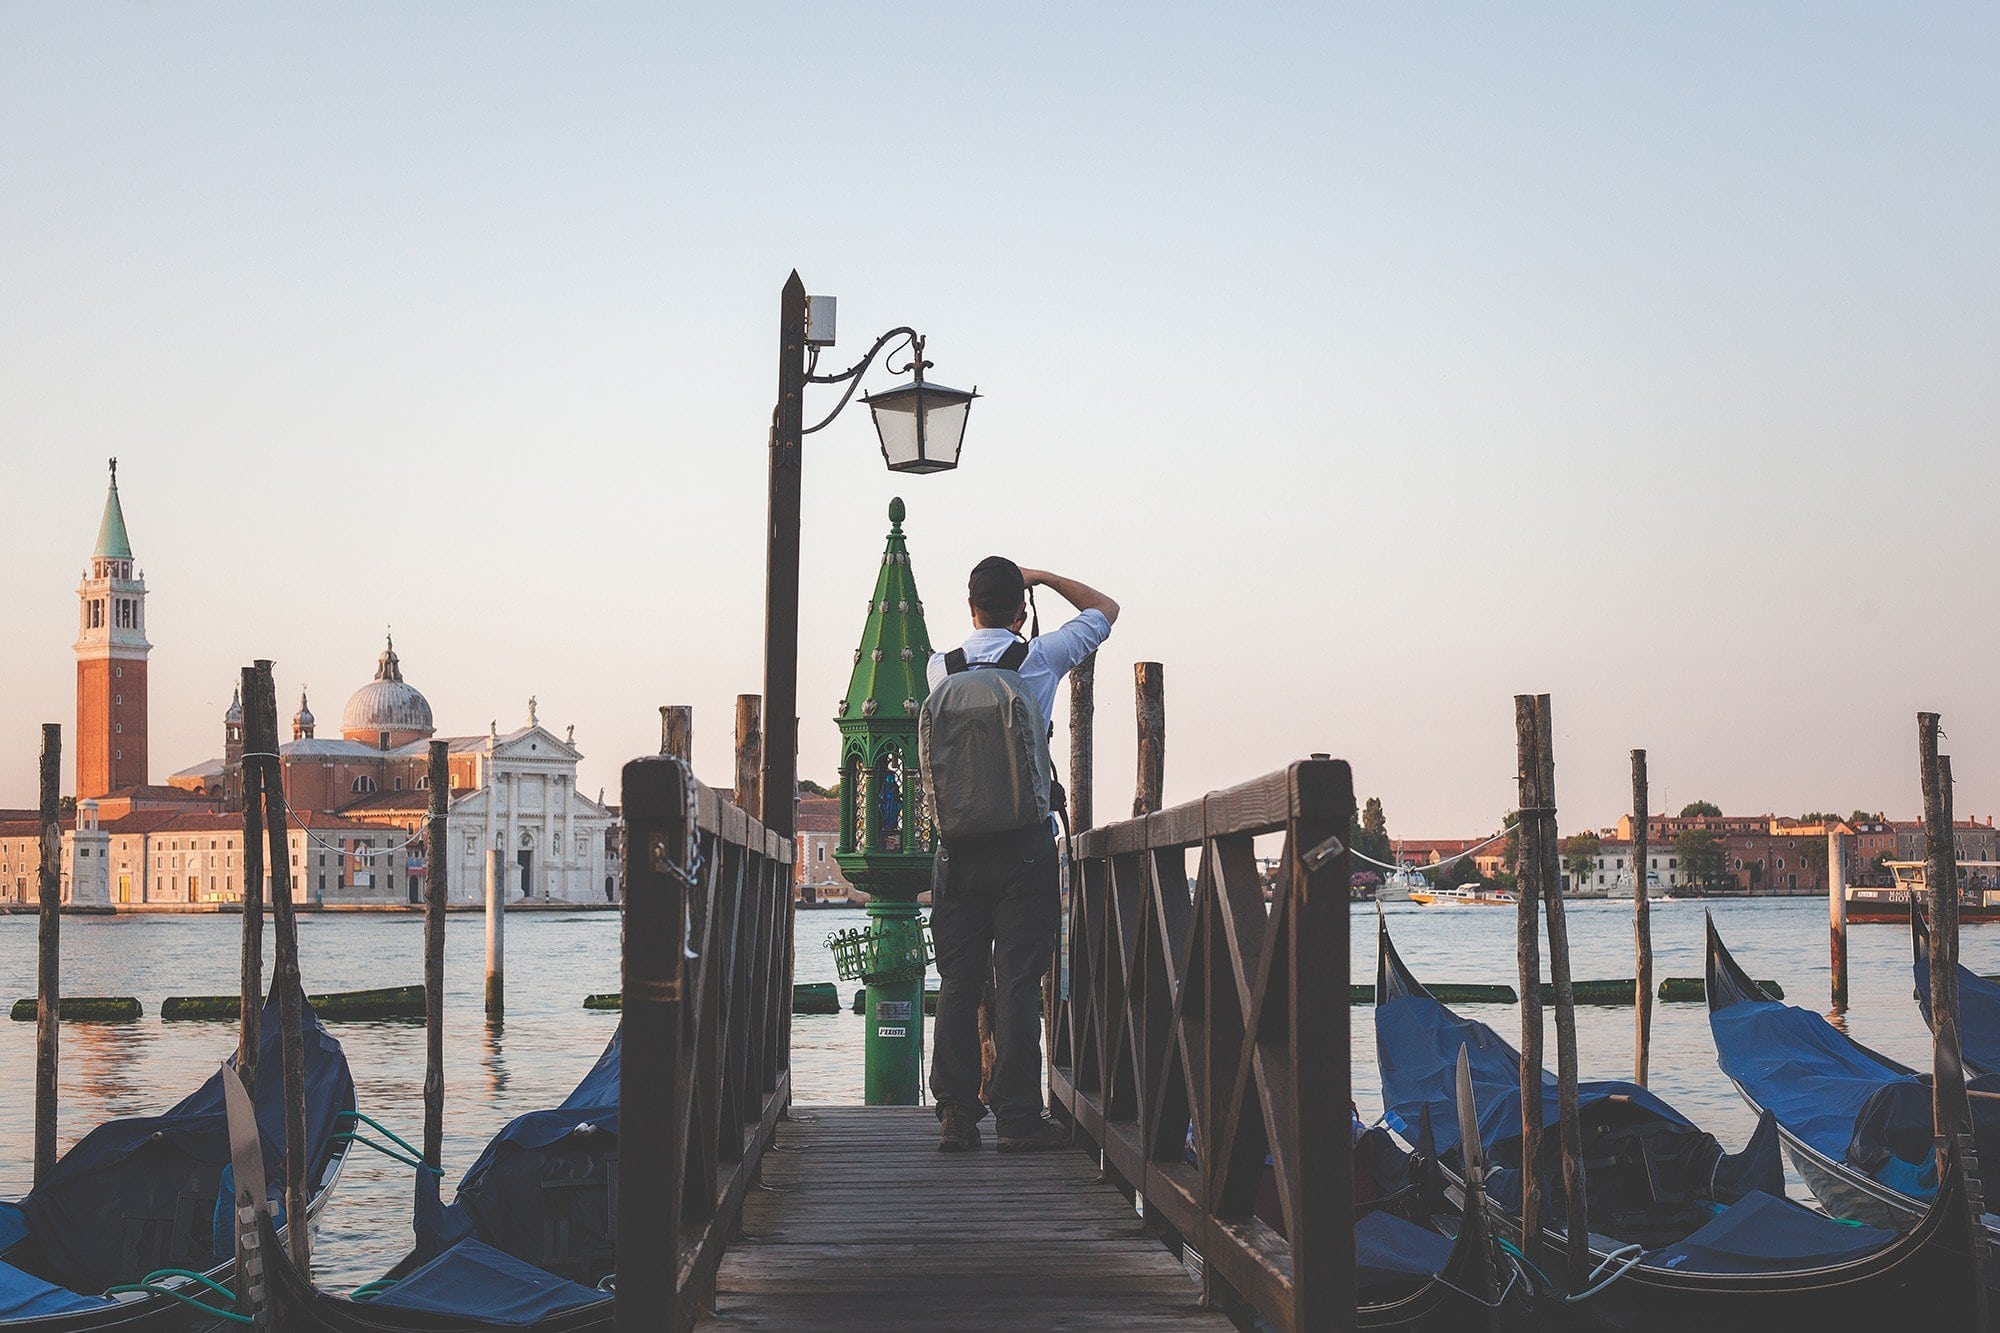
(862, 1224)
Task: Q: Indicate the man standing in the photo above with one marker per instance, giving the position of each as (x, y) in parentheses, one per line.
(996, 898)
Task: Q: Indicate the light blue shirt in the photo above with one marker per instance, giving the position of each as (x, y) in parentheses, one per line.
(1050, 657)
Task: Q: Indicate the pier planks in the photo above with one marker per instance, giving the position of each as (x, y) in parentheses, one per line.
(864, 1225)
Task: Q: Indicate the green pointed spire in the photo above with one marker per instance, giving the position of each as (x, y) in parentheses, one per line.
(112, 543)
(889, 682)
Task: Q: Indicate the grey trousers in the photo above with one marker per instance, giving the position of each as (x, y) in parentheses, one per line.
(995, 906)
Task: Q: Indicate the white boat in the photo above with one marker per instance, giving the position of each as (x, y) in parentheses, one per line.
(1464, 895)
(1399, 886)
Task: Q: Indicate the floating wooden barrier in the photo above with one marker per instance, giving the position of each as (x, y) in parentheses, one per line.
(1446, 993)
(1692, 990)
(83, 1009)
(808, 997)
(385, 1002)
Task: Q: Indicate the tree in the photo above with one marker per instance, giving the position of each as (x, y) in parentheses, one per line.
(1696, 809)
(1700, 853)
(1580, 858)
(1819, 817)
(811, 788)
(1448, 874)
(1863, 817)
(1370, 835)
(65, 807)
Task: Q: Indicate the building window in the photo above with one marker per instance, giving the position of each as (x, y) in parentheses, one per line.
(363, 785)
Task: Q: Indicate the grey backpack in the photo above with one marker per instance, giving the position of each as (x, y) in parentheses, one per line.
(984, 748)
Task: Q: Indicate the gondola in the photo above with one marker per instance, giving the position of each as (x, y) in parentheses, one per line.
(1978, 1003)
(1855, 1123)
(131, 1230)
(1682, 1234)
(524, 1244)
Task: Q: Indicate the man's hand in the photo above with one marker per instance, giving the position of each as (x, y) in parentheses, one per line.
(1082, 596)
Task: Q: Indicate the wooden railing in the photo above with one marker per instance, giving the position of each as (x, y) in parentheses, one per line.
(706, 1069)
(1208, 1007)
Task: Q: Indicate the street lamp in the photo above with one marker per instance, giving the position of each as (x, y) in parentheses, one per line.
(921, 426)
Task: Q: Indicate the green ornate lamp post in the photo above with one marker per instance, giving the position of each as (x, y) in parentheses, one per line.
(885, 836)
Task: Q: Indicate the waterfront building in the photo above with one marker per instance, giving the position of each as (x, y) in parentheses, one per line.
(817, 876)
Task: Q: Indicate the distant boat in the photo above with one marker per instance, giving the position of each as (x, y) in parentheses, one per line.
(1465, 895)
(1978, 899)
(1400, 886)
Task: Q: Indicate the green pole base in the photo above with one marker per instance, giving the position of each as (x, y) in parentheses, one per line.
(893, 1048)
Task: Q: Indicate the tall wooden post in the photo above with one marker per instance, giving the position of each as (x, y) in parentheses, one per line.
(1149, 687)
(1082, 742)
(48, 960)
(1836, 916)
(1642, 926)
(750, 753)
(434, 896)
(496, 936)
(260, 718)
(251, 783)
(781, 576)
(677, 731)
(1951, 1107)
(657, 795)
(1549, 869)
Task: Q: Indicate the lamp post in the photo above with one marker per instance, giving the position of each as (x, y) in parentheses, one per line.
(921, 426)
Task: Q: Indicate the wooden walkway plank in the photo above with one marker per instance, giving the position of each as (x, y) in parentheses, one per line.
(862, 1224)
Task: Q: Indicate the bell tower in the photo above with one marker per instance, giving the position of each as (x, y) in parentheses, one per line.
(111, 651)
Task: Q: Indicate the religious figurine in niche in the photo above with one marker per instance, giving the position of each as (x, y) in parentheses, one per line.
(889, 811)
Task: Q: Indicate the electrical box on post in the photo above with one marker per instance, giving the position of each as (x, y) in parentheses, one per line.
(819, 321)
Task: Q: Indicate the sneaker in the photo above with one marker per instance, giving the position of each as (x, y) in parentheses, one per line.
(959, 1131)
(1046, 1135)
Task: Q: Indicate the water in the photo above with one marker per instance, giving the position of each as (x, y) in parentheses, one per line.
(549, 1040)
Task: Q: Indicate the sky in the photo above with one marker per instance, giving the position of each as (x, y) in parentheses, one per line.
(1384, 362)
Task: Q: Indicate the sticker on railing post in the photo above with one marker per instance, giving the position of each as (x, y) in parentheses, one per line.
(892, 1032)
(893, 1011)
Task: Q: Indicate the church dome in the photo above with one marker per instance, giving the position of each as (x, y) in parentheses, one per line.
(387, 704)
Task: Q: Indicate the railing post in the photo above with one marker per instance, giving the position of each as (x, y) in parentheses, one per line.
(48, 966)
(677, 732)
(1150, 692)
(1322, 1235)
(750, 754)
(659, 805)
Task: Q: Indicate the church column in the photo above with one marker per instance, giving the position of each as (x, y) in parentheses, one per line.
(570, 858)
(553, 852)
(512, 847)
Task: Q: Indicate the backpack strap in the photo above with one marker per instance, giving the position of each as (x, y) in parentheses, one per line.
(1011, 660)
(954, 662)
(1017, 653)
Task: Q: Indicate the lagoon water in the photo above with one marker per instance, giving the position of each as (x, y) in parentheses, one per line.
(548, 1041)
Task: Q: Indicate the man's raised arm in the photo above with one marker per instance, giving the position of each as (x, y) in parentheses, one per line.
(1079, 595)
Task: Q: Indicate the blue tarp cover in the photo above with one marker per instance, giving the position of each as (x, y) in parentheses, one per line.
(478, 1281)
(96, 1219)
(1389, 1249)
(24, 1294)
(499, 1198)
(1760, 1234)
(1801, 1068)
(1978, 1014)
(1417, 1041)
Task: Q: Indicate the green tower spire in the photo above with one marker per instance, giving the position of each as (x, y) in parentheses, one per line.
(885, 841)
(112, 543)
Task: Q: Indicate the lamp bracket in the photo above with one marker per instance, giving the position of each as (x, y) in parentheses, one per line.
(913, 343)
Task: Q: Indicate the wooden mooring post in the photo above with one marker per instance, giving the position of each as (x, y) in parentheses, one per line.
(1082, 743)
(496, 936)
(1642, 927)
(1951, 1106)
(750, 754)
(1150, 692)
(48, 952)
(251, 981)
(1528, 948)
(1836, 917)
(677, 731)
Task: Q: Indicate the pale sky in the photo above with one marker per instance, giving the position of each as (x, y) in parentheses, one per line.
(1383, 362)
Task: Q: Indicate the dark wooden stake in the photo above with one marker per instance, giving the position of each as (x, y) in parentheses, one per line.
(1527, 943)
(1642, 927)
(1569, 1122)
(750, 753)
(1149, 686)
(1836, 918)
(1951, 1107)
(1082, 742)
(48, 961)
(677, 731)
(434, 896)
(496, 937)
(781, 574)
(286, 983)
